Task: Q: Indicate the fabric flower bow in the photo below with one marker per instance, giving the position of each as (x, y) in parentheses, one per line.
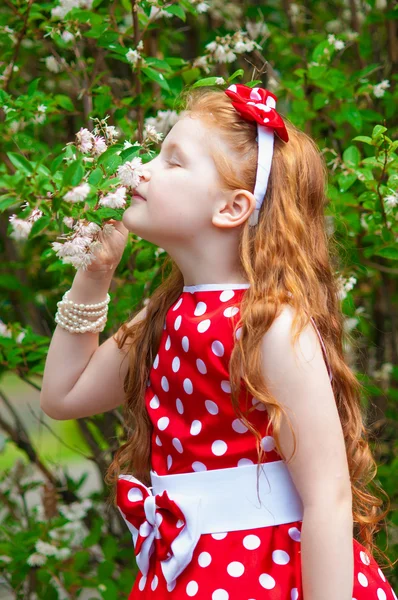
(257, 104)
(168, 527)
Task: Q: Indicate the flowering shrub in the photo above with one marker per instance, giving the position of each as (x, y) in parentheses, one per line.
(88, 91)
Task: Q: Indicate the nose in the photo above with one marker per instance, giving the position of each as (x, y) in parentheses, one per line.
(146, 174)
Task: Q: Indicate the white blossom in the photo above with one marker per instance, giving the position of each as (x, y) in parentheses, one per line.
(52, 64)
(202, 7)
(42, 108)
(256, 29)
(84, 140)
(131, 172)
(68, 221)
(4, 331)
(127, 144)
(46, 548)
(116, 199)
(67, 36)
(338, 44)
(111, 133)
(380, 88)
(21, 228)
(151, 134)
(391, 200)
(345, 286)
(78, 193)
(6, 559)
(99, 145)
(220, 80)
(36, 560)
(164, 120)
(133, 56)
(76, 510)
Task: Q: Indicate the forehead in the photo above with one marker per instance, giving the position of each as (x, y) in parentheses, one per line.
(190, 134)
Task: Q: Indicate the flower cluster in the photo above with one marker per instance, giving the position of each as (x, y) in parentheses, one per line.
(225, 49)
(22, 227)
(131, 172)
(65, 6)
(80, 245)
(380, 89)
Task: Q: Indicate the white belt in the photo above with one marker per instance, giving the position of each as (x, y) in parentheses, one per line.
(170, 516)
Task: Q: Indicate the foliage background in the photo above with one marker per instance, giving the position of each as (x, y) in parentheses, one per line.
(332, 66)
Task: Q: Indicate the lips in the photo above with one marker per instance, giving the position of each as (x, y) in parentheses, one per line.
(138, 197)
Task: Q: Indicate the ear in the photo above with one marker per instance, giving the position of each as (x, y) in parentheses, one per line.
(234, 209)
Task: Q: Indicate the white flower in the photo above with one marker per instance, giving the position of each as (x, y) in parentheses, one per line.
(133, 56)
(36, 560)
(5, 558)
(391, 200)
(127, 144)
(220, 80)
(84, 140)
(151, 134)
(35, 214)
(78, 193)
(46, 548)
(68, 221)
(99, 145)
(380, 88)
(67, 36)
(256, 29)
(20, 337)
(63, 553)
(116, 199)
(21, 228)
(131, 172)
(42, 108)
(52, 65)
(202, 7)
(76, 510)
(4, 331)
(111, 133)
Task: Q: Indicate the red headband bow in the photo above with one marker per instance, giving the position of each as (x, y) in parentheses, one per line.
(257, 104)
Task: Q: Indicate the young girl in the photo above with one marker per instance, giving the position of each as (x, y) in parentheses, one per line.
(245, 473)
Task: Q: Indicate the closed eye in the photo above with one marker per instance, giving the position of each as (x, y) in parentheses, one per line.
(173, 164)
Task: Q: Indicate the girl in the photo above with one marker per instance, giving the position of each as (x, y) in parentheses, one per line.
(245, 473)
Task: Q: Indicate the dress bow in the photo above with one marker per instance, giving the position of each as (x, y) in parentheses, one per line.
(257, 104)
(170, 527)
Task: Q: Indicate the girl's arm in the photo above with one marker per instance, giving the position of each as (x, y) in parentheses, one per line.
(299, 380)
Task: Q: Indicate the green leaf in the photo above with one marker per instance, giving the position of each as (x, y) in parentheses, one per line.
(39, 225)
(21, 163)
(33, 86)
(74, 173)
(378, 130)
(238, 73)
(351, 156)
(6, 202)
(93, 216)
(95, 176)
(64, 102)
(156, 76)
(205, 81)
(346, 181)
(176, 10)
(388, 252)
(363, 138)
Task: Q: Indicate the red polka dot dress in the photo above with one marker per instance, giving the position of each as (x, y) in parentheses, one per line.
(195, 428)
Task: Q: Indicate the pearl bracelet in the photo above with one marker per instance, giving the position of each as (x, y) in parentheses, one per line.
(71, 315)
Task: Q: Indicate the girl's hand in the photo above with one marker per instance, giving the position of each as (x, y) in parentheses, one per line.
(113, 245)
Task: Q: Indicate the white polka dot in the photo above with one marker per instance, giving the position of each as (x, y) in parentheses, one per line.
(295, 534)
(200, 309)
(158, 442)
(268, 443)
(176, 306)
(177, 322)
(192, 588)
(231, 311)
(381, 595)
(294, 594)
(175, 364)
(163, 423)
(204, 325)
(363, 580)
(239, 426)
(135, 495)
(145, 529)
(238, 333)
(158, 519)
(211, 407)
(266, 581)
(219, 447)
(251, 542)
(177, 445)
(219, 536)
(227, 295)
(169, 461)
(244, 462)
(180, 523)
(168, 343)
(225, 386)
(258, 405)
(196, 427)
(165, 384)
(235, 569)
(217, 348)
(154, 403)
(364, 558)
(220, 595)
(280, 557)
(180, 406)
(142, 583)
(187, 385)
(171, 586)
(156, 362)
(198, 466)
(185, 343)
(381, 574)
(204, 559)
(154, 583)
(201, 366)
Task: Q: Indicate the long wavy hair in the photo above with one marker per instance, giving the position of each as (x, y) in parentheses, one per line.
(287, 258)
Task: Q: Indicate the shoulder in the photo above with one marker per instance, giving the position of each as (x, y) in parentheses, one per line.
(281, 360)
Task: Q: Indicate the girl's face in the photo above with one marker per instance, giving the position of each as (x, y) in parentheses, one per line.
(181, 187)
